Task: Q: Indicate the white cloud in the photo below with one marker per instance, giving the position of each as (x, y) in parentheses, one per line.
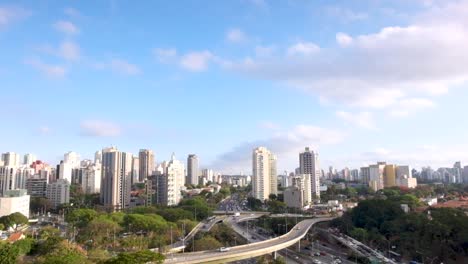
(72, 12)
(346, 15)
(236, 35)
(119, 66)
(10, 14)
(269, 125)
(69, 51)
(361, 119)
(54, 71)
(303, 48)
(44, 130)
(285, 144)
(165, 55)
(383, 69)
(99, 128)
(66, 27)
(196, 61)
(264, 51)
(343, 39)
(407, 106)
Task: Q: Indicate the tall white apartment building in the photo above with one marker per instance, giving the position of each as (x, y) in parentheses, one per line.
(91, 179)
(264, 175)
(192, 169)
(58, 192)
(303, 183)
(14, 201)
(208, 174)
(174, 171)
(309, 164)
(147, 163)
(10, 159)
(116, 179)
(376, 176)
(28, 159)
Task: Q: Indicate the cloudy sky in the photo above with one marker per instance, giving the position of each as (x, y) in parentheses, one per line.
(359, 81)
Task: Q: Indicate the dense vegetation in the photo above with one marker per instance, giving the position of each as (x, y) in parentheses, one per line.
(219, 236)
(101, 237)
(436, 234)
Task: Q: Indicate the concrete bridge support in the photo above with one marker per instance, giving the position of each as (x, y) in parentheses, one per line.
(275, 255)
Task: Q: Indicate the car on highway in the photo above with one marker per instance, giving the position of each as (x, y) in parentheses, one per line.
(317, 254)
(224, 249)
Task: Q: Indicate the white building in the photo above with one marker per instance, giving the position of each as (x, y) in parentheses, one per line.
(14, 201)
(192, 169)
(66, 170)
(264, 176)
(309, 164)
(294, 197)
(302, 183)
(91, 179)
(28, 159)
(376, 176)
(58, 192)
(72, 158)
(146, 164)
(10, 159)
(116, 179)
(175, 174)
(208, 174)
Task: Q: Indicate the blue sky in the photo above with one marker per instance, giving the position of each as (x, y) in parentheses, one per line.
(359, 81)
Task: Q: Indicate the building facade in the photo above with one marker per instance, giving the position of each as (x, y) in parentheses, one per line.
(15, 201)
(116, 179)
(58, 192)
(264, 176)
(147, 163)
(309, 164)
(192, 169)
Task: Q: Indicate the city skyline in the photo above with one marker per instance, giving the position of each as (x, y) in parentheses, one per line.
(94, 79)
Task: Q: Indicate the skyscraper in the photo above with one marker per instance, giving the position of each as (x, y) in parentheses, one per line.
(146, 157)
(11, 159)
(192, 169)
(174, 172)
(28, 159)
(116, 179)
(390, 175)
(264, 176)
(309, 164)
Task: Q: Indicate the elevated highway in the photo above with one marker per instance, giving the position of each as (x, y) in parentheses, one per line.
(249, 250)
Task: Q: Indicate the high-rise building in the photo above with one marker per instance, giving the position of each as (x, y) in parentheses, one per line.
(116, 179)
(303, 183)
(146, 159)
(465, 174)
(11, 159)
(309, 164)
(72, 158)
(365, 175)
(390, 175)
(376, 175)
(28, 159)
(37, 186)
(91, 179)
(14, 201)
(65, 170)
(58, 192)
(208, 174)
(135, 169)
(98, 157)
(175, 177)
(7, 179)
(192, 169)
(264, 176)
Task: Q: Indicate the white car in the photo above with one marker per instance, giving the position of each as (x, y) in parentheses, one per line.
(223, 249)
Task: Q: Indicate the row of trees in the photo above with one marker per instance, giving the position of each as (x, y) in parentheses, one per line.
(435, 234)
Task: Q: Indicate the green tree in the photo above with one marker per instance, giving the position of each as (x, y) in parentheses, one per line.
(206, 243)
(13, 220)
(63, 253)
(24, 246)
(99, 232)
(8, 253)
(81, 217)
(144, 256)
